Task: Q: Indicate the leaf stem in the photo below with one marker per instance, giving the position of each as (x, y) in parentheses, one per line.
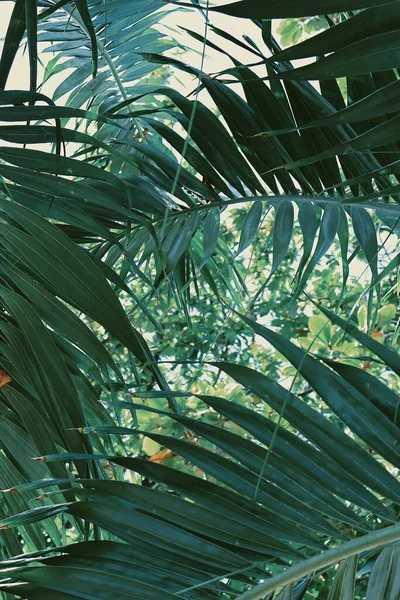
(323, 560)
(393, 209)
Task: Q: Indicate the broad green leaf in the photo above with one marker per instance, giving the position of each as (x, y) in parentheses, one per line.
(210, 233)
(287, 593)
(366, 237)
(250, 226)
(147, 563)
(343, 234)
(150, 447)
(257, 9)
(384, 582)
(386, 314)
(177, 240)
(31, 34)
(83, 9)
(309, 226)
(282, 233)
(15, 32)
(344, 581)
(320, 328)
(327, 232)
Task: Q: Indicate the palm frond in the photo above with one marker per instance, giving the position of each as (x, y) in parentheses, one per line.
(272, 500)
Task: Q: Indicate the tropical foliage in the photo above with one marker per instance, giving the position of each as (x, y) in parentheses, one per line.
(207, 391)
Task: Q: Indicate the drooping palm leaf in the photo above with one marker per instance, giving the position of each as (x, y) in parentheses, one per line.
(222, 158)
(307, 491)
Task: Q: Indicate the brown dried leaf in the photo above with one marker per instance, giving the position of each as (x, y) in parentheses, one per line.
(159, 457)
(5, 378)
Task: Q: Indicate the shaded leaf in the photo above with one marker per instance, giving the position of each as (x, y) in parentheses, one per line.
(250, 226)
(384, 582)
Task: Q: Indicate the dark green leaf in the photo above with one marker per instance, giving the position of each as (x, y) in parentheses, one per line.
(282, 232)
(384, 582)
(257, 9)
(344, 582)
(15, 32)
(250, 226)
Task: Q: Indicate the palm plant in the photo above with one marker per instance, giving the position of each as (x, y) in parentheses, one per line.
(125, 197)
